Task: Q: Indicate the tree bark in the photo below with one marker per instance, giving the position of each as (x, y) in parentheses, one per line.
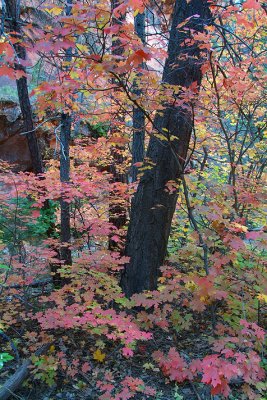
(65, 231)
(117, 212)
(65, 135)
(138, 149)
(153, 208)
(13, 22)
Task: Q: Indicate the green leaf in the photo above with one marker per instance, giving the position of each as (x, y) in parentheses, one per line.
(6, 267)
(4, 357)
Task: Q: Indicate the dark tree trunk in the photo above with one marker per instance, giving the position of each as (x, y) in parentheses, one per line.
(65, 233)
(65, 135)
(13, 22)
(153, 207)
(138, 149)
(117, 212)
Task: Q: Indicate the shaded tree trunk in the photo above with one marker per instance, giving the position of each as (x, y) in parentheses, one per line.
(65, 232)
(117, 212)
(14, 25)
(138, 149)
(153, 207)
(65, 136)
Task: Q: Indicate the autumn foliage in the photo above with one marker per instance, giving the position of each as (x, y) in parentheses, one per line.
(203, 327)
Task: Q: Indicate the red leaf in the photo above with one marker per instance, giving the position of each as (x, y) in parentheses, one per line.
(138, 57)
(7, 71)
(253, 235)
(112, 29)
(85, 367)
(36, 213)
(6, 48)
(127, 352)
(120, 10)
(251, 4)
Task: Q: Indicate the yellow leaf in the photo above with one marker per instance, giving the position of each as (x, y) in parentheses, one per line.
(191, 286)
(160, 136)
(51, 348)
(74, 74)
(148, 366)
(262, 297)
(54, 10)
(204, 299)
(99, 356)
(82, 47)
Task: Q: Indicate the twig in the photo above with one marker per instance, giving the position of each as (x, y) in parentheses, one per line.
(8, 339)
(13, 383)
(195, 391)
(34, 284)
(38, 126)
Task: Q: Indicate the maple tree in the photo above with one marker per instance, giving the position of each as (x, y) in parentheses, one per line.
(183, 306)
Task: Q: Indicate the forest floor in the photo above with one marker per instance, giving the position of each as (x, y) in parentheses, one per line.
(83, 386)
(53, 383)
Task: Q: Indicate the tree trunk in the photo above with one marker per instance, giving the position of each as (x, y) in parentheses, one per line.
(65, 135)
(138, 149)
(13, 21)
(117, 212)
(65, 233)
(153, 207)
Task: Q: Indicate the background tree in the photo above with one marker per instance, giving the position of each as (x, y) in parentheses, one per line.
(13, 21)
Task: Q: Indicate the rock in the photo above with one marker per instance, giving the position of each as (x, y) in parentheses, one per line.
(13, 146)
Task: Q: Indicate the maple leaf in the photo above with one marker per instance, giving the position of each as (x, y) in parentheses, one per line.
(138, 5)
(138, 164)
(127, 352)
(222, 388)
(114, 29)
(86, 367)
(36, 213)
(6, 48)
(234, 242)
(262, 297)
(99, 356)
(253, 235)
(138, 57)
(7, 71)
(251, 4)
(187, 20)
(120, 10)
(54, 10)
